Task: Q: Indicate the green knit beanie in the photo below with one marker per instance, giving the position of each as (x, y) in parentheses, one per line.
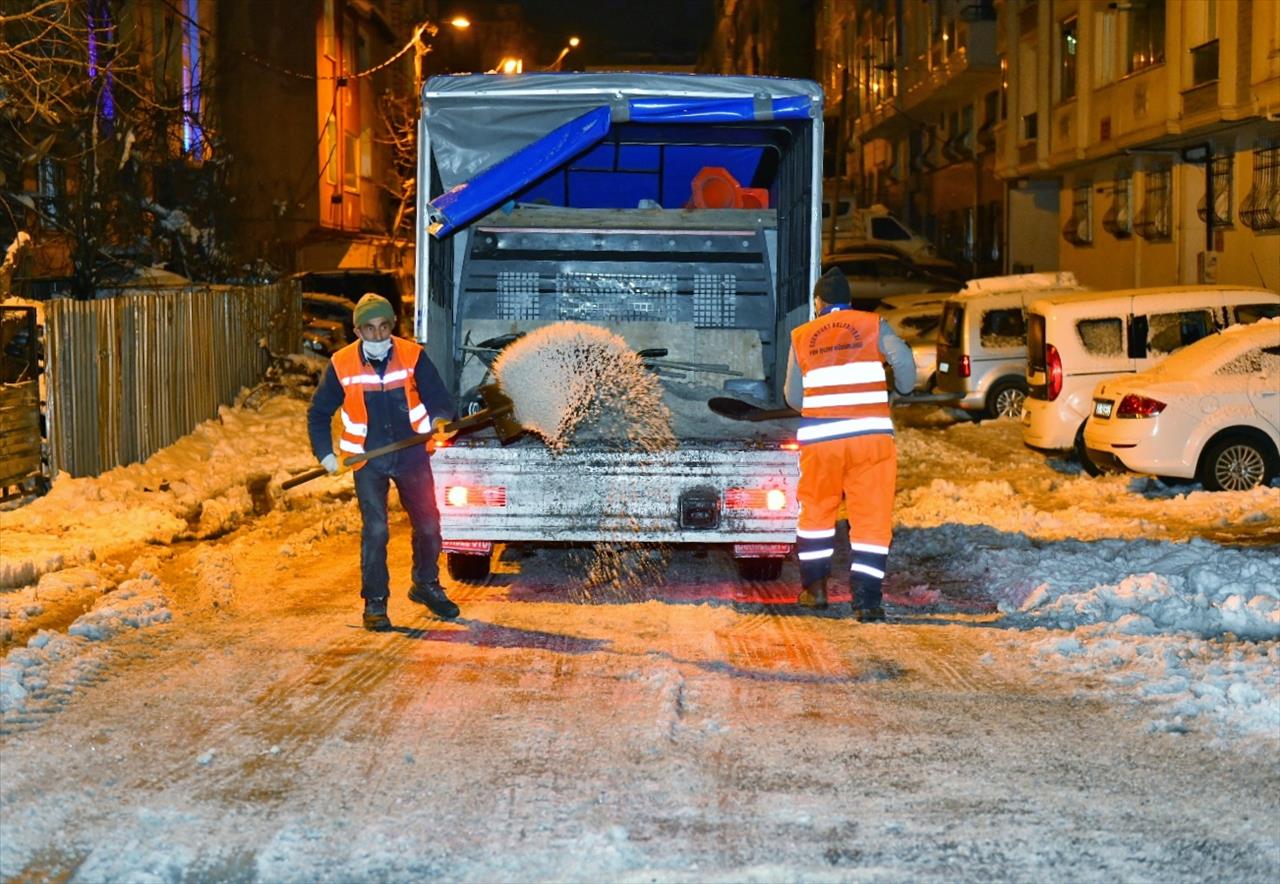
(370, 307)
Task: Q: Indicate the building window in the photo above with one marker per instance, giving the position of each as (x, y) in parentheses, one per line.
(1030, 127)
(1028, 87)
(1079, 227)
(1068, 48)
(1154, 221)
(1146, 33)
(1202, 36)
(1260, 209)
(1204, 63)
(1104, 55)
(1118, 220)
(1219, 180)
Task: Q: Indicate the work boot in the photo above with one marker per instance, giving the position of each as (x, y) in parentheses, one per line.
(814, 594)
(432, 595)
(375, 615)
(868, 615)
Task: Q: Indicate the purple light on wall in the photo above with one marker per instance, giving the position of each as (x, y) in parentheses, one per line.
(100, 27)
(192, 131)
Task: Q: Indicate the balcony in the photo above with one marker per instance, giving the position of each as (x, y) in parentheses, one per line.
(949, 73)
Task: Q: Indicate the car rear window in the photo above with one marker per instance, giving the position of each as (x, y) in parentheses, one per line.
(1102, 337)
(952, 323)
(1003, 329)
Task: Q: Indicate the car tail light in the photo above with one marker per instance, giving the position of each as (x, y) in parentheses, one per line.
(761, 550)
(475, 495)
(755, 499)
(1053, 368)
(474, 547)
(1134, 405)
(964, 366)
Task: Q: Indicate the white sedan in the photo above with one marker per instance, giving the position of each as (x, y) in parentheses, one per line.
(1211, 411)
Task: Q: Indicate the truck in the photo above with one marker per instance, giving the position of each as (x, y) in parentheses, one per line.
(681, 212)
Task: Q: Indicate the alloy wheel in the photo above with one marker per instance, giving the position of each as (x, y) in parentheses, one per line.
(1239, 468)
(1009, 403)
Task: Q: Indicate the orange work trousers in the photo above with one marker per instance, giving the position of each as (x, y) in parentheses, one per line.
(863, 470)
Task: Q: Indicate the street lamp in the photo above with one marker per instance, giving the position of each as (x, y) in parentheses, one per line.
(572, 44)
(421, 47)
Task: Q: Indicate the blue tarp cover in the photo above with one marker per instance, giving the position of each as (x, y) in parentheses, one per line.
(485, 162)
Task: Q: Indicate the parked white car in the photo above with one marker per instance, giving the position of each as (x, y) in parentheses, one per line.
(1211, 411)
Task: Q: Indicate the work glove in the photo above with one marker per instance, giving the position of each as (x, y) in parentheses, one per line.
(330, 463)
(441, 434)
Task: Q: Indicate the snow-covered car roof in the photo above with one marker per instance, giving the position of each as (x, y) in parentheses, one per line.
(1075, 297)
(1061, 281)
(332, 300)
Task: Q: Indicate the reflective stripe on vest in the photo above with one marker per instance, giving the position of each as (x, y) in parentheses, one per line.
(846, 392)
(357, 378)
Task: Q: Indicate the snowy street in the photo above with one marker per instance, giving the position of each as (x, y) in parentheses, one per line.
(1079, 680)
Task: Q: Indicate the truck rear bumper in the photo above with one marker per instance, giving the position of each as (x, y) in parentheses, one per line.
(691, 495)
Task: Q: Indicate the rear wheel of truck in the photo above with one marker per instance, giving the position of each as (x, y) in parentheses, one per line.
(759, 569)
(467, 566)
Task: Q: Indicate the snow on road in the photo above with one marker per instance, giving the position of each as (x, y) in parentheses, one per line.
(1081, 680)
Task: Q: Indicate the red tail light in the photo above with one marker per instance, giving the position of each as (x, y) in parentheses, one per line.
(755, 498)
(964, 366)
(1134, 405)
(475, 495)
(1053, 368)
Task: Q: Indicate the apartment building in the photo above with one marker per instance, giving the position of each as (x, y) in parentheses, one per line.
(914, 92)
(1133, 142)
(1148, 133)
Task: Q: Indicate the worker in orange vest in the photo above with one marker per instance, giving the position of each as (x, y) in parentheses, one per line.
(386, 390)
(836, 379)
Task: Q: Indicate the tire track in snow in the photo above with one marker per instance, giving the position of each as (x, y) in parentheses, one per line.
(290, 716)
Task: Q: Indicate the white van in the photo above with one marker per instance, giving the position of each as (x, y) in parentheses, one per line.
(982, 342)
(1076, 340)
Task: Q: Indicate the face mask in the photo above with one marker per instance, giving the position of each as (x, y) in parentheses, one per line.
(378, 349)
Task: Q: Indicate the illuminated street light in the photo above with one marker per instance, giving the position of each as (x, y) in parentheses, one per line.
(572, 44)
(461, 22)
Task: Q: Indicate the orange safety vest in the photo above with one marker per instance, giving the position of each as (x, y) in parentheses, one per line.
(845, 389)
(357, 377)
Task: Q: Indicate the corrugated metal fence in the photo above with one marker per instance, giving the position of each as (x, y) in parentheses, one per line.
(130, 374)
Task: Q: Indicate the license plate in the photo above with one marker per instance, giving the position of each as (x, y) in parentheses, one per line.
(944, 366)
(1102, 407)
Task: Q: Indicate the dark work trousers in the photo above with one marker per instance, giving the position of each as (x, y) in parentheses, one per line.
(412, 476)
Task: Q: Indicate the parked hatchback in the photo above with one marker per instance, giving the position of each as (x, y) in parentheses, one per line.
(982, 345)
(1210, 411)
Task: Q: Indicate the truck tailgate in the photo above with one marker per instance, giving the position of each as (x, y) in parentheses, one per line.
(527, 492)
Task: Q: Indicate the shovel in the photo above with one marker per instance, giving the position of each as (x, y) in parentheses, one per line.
(738, 410)
(497, 411)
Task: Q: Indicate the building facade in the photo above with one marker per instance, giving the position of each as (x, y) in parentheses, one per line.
(1133, 143)
(1155, 127)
